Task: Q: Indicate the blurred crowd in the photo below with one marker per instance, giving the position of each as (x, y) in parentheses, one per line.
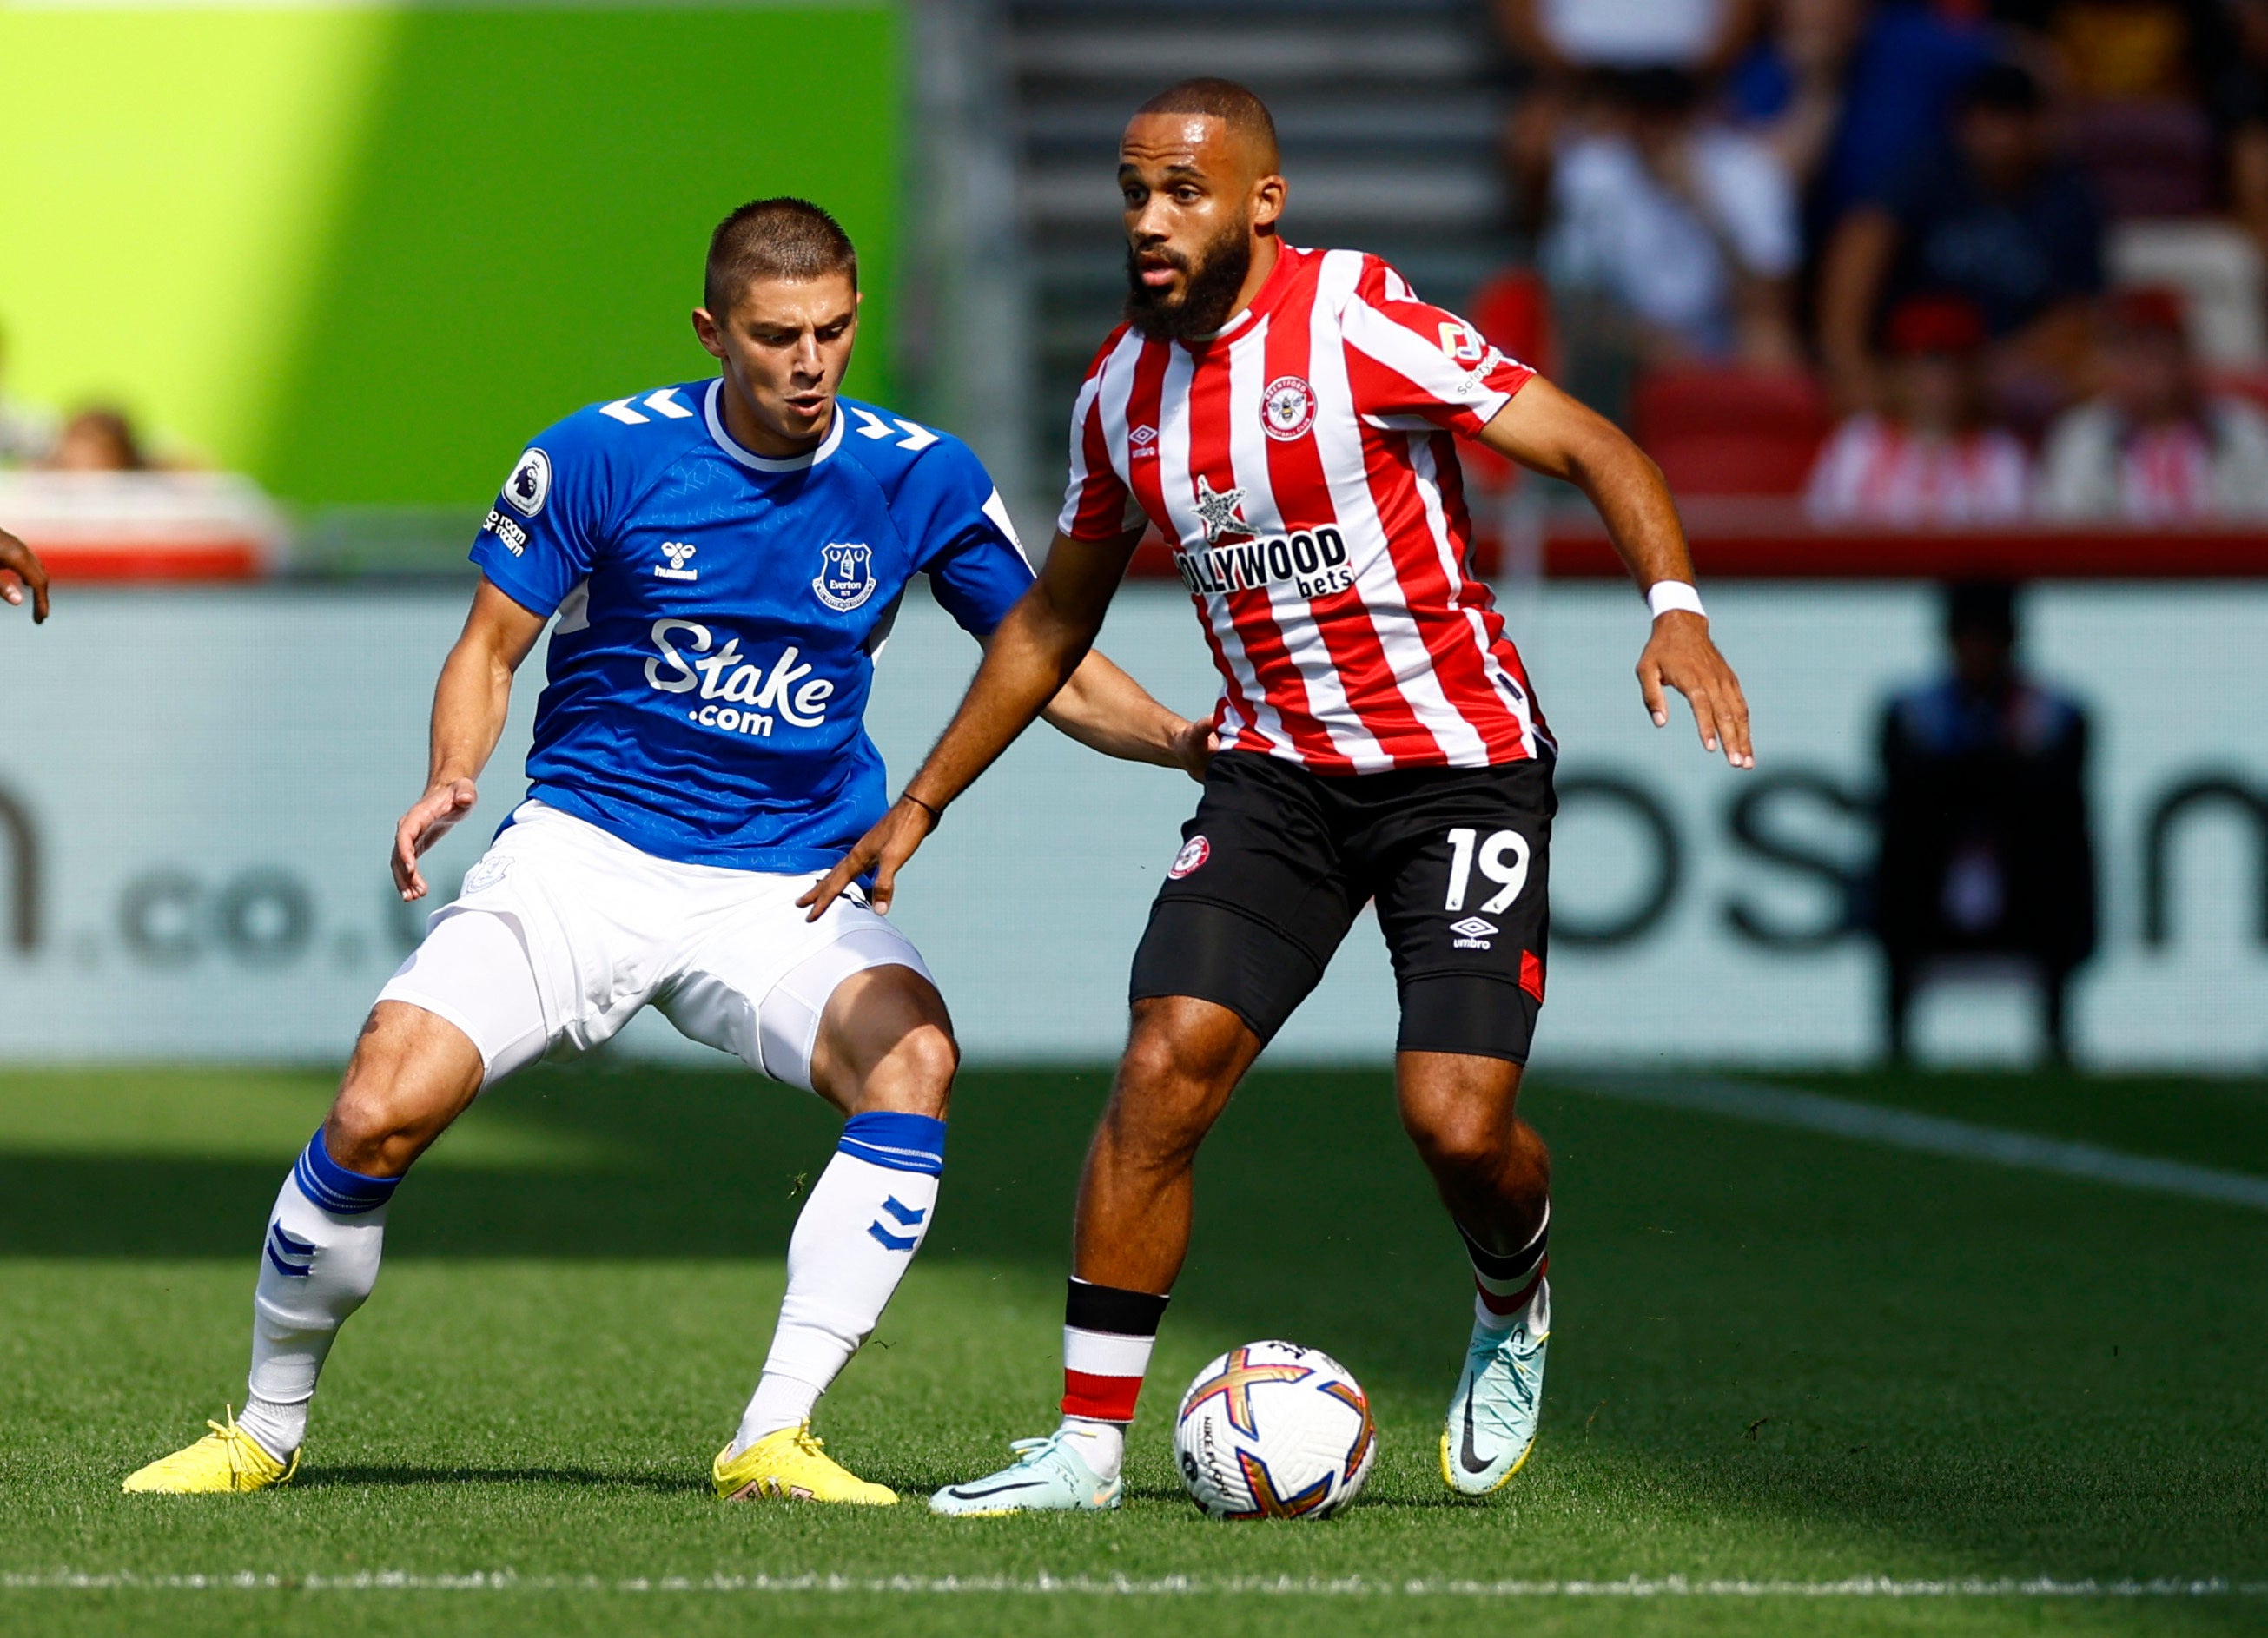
(1993, 258)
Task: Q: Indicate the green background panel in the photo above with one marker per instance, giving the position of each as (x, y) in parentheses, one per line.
(365, 255)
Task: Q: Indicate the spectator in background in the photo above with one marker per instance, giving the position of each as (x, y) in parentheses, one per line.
(1562, 50)
(1686, 226)
(2156, 446)
(2167, 101)
(1853, 93)
(99, 440)
(1928, 457)
(1987, 847)
(27, 433)
(1789, 88)
(1999, 220)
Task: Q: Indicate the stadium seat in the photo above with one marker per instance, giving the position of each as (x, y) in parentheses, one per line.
(1730, 431)
(1514, 311)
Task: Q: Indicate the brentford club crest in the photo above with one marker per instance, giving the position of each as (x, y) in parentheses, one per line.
(1287, 408)
(1192, 857)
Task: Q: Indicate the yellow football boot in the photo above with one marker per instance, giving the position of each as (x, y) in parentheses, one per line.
(793, 1465)
(227, 1458)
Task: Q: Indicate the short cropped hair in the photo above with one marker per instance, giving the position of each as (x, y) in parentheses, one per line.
(1234, 106)
(774, 238)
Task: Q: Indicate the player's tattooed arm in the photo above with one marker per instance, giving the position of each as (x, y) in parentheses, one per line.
(469, 704)
(1547, 431)
(1032, 653)
(21, 570)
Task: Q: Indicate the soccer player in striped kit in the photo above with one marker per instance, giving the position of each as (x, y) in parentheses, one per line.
(1286, 419)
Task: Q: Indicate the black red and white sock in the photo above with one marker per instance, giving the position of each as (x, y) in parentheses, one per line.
(1108, 1336)
(1506, 1284)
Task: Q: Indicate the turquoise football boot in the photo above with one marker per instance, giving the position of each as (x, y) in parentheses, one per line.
(1048, 1476)
(1491, 1423)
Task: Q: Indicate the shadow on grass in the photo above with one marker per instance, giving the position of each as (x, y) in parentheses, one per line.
(351, 1478)
(2026, 1373)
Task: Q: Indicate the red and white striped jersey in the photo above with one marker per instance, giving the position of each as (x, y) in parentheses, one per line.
(1301, 463)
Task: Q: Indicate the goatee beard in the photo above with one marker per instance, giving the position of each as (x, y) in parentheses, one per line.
(1207, 298)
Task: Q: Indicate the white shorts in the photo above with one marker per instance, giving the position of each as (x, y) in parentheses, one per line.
(562, 932)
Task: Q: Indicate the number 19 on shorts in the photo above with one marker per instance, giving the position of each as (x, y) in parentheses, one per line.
(1502, 859)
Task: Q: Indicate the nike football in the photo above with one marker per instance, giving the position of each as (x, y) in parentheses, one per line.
(1274, 1430)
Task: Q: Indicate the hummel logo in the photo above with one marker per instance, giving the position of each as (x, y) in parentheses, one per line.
(676, 551)
(1473, 927)
(873, 426)
(662, 403)
(293, 1257)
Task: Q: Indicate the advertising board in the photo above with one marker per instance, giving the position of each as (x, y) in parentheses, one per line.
(198, 787)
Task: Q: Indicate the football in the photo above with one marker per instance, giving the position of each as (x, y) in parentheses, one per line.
(1274, 1430)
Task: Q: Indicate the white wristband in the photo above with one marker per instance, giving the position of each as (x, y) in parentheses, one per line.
(1665, 595)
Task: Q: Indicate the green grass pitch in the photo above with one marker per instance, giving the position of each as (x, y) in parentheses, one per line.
(1781, 1357)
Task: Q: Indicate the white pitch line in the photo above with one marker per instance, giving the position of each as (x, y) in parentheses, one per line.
(1121, 1586)
(1931, 1134)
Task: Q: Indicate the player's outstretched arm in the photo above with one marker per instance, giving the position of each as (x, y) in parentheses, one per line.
(1107, 710)
(1032, 653)
(1547, 431)
(469, 704)
(20, 568)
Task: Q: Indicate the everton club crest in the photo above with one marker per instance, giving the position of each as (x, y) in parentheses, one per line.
(847, 577)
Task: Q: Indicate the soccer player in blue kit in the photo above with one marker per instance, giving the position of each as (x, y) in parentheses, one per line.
(724, 559)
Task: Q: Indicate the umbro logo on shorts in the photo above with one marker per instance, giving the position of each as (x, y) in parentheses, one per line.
(1473, 933)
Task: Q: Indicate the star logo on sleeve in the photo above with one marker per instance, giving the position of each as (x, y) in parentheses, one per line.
(1221, 511)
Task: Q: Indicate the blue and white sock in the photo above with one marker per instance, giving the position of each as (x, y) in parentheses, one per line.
(858, 1233)
(319, 1264)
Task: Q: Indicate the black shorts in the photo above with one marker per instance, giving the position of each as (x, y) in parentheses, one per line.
(1278, 862)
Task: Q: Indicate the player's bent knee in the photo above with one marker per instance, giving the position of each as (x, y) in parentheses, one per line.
(1461, 1143)
(412, 1074)
(1181, 1047)
(916, 1076)
(886, 1043)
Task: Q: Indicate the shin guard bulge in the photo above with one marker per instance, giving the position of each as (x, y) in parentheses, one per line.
(854, 1239)
(318, 1265)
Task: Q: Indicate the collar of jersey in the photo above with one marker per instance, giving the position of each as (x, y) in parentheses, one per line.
(1270, 292)
(765, 463)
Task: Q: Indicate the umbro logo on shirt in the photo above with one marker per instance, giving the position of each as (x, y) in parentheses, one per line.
(1142, 441)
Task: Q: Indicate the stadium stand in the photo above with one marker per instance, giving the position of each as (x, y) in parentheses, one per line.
(1387, 111)
(1730, 431)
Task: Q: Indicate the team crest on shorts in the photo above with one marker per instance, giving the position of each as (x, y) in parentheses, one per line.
(529, 483)
(487, 872)
(1287, 408)
(1192, 857)
(848, 578)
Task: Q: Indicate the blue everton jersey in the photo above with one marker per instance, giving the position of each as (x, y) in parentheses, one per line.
(719, 613)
